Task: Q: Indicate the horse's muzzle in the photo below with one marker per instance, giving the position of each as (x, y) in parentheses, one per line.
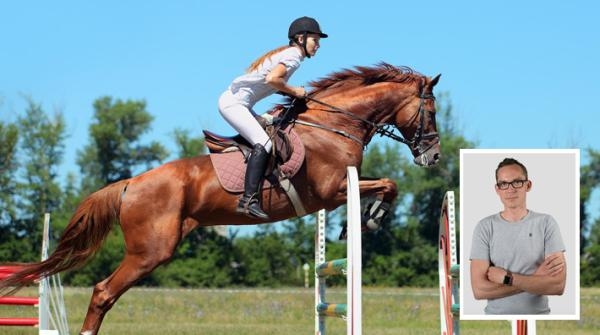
(430, 157)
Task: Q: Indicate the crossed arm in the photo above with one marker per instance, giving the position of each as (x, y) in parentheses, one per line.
(548, 279)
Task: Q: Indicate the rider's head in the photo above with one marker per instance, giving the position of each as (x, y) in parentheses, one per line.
(306, 33)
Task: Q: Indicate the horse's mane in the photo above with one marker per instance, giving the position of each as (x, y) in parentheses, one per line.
(357, 76)
(363, 75)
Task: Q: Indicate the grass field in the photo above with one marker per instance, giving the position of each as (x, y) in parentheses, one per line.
(285, 311)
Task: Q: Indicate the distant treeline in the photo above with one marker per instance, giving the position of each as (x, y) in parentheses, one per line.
(402, 253)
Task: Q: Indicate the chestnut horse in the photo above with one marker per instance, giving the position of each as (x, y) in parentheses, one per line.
(158, 208)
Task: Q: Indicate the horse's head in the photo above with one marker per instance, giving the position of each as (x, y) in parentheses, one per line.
(416, 122)
(360, 103)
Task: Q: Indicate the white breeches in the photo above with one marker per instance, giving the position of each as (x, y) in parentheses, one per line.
(242, 119)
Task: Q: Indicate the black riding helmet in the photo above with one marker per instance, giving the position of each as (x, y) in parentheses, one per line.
(304, 25)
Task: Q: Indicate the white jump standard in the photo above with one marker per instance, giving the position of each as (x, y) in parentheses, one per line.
(351, 266)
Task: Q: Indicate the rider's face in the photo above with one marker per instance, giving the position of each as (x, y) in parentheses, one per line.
(312, 43)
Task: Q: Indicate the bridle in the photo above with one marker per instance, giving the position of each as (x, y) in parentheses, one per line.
(383, 129)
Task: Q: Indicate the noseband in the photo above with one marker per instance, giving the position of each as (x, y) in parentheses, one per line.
(415, 143)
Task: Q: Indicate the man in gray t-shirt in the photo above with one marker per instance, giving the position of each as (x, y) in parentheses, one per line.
(517, 255)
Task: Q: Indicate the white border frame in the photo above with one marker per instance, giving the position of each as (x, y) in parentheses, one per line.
(479, 165)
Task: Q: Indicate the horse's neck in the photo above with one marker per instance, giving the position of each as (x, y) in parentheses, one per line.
(373, 102)
(369, 106)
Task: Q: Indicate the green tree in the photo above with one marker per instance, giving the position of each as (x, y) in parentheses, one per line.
(299, 234)
(264, 260)
(115, 150)
(590, 260)
(590, 256)
(188, 146)
(70, 200)
(9, 136)
(41, 151)
(590, 180)
(9, 244)
(204, 259)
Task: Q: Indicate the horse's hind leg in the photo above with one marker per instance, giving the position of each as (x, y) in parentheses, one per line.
(138, 262)
(108, 291)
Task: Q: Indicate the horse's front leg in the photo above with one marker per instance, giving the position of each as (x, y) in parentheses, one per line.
(384, 190)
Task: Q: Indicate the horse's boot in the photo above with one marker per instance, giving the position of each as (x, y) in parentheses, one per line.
(255, 171)
(371, 218)
(374, 214)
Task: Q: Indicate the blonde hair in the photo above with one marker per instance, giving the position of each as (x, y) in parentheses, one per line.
(262, 58)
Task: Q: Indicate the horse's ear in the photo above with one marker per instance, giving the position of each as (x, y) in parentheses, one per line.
(435, 80)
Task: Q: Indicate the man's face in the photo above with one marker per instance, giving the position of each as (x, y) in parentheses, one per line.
(512, 197)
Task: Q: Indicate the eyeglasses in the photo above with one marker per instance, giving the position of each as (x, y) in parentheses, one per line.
(503, 185)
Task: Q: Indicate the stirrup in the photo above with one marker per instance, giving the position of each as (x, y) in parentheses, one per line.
(242, 206)
(250, 206)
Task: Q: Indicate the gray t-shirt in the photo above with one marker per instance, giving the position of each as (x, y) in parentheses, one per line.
(519, 247)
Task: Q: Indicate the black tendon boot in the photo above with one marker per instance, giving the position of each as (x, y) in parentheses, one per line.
(249, 202)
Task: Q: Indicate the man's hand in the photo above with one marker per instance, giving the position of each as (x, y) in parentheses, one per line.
(488, 281)
(551, 266)
(496, 274)
(549, 278)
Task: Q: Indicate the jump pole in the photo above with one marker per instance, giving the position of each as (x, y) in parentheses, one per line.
(42, 302)
(351, 266)
(523, 327)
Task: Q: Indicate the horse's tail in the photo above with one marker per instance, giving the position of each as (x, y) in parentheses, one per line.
(80, 240)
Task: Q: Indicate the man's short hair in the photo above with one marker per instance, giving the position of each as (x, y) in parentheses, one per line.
(511, 161)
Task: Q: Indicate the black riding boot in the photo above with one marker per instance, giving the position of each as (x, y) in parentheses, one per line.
(249, 202)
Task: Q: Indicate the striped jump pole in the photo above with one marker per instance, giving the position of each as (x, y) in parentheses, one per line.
(46, 310)
(523, 327)
(351, 266)
(6, 271)
(449, 268)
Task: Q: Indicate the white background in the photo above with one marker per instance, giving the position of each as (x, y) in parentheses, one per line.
(555, 190)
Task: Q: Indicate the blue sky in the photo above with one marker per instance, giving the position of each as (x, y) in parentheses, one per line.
(520, 74)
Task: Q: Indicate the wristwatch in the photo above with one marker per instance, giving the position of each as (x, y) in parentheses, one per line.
(508, 278)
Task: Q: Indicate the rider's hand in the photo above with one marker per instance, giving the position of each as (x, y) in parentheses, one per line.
(299, 92)
(268, 120)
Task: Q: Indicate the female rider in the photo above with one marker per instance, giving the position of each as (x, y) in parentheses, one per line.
(268, 74)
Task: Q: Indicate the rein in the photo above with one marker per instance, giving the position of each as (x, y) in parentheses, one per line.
(337, 131)
(381, 128)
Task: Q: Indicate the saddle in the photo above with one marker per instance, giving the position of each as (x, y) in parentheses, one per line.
(229, 155)
(282, 146)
